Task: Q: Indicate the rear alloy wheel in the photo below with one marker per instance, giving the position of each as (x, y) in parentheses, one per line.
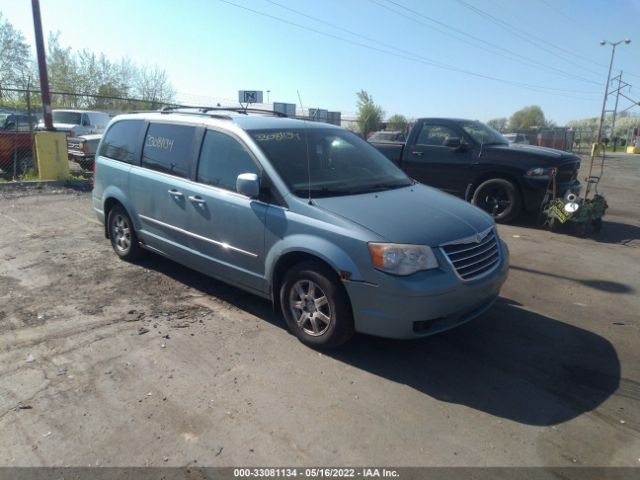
(122, 235)
(315, 306)
(499, 198)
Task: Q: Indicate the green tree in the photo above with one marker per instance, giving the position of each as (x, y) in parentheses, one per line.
(369, 114)
(528, 117)
(15, 59)
(397, 122)
(499, 124)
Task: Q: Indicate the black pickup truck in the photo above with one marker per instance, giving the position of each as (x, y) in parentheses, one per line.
(473, 161)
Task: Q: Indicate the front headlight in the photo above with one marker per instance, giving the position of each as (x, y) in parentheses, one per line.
(539, 172)
(401, 259)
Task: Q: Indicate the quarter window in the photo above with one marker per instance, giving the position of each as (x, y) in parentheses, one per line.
(222, 159)
(168, 148)
(121, 141)
(435, 135)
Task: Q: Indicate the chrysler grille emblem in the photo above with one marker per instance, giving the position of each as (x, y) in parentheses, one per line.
(478, 238)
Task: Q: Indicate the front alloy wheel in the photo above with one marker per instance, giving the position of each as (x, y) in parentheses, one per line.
(315, 305)
(310, 308)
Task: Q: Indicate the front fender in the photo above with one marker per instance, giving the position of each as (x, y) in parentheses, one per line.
(322, 248)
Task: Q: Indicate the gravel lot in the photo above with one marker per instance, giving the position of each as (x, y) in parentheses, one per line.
(108, 363)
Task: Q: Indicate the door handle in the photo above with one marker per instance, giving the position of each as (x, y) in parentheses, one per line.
(175, 193)
(417, 154)
(197, 200)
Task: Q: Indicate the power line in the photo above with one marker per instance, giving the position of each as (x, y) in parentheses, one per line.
(520, 33)
(555, 8)
(423, 60)
(512, 55)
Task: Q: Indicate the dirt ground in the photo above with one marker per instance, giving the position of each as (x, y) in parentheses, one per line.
(114, 364)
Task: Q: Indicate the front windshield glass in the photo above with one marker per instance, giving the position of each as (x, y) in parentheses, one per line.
(72, 118)
(482, 133)
(338, 162)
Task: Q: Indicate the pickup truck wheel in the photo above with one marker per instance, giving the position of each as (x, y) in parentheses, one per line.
(315, 306)
(499, 198)
(122, 235)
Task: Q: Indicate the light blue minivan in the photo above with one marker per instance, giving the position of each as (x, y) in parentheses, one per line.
(305, 214)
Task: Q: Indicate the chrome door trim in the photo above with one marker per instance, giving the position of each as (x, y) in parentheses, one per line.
(224, 245)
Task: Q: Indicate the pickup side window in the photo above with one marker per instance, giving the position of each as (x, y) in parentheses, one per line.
(222, 159)
(168, 148)
(435, 135)
(121, 141)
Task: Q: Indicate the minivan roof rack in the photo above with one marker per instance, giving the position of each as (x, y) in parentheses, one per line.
(206, 110)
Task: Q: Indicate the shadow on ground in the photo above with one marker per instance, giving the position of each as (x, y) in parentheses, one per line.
(511, 362)
(611, 232)
(617, 233)
(604, 285)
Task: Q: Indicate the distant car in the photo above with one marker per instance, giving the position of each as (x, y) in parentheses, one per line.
(385, 136)
(82, 149)
(516, 138)
(17, 122)
(78, 122)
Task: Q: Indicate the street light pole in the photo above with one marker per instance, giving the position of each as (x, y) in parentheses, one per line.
(596, 144)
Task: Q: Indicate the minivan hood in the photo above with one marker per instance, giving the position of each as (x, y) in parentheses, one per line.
(417, 215)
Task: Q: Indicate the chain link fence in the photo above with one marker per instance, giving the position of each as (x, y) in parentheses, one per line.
(21, 117)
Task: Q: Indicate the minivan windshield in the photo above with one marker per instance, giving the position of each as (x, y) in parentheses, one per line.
(484, 134)
(328, 162)
(72, 118)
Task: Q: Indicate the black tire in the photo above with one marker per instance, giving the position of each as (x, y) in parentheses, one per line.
(315, 306)
(499, 198)
(122, 234)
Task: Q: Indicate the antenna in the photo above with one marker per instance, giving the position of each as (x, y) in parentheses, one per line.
(306, 139)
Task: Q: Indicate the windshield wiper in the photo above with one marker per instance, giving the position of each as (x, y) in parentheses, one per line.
(322, 192)
(379, 187)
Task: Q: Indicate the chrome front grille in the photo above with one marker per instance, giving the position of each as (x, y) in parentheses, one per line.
(475, 256)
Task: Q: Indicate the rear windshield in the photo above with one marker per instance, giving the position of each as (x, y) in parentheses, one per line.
(328, 162)
(67, 117)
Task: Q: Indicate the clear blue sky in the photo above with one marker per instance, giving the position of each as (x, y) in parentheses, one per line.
(403, 52)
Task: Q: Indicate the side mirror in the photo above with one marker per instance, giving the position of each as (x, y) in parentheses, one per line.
(248, 184)
(453, 142)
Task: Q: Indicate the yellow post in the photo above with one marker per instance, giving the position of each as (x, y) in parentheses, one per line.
(51, 152)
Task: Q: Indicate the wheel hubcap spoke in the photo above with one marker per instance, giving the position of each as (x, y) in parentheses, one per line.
(310, 307)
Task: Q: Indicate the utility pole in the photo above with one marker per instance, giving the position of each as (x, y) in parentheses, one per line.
(615, 108)
(596, 144)
(42, 66)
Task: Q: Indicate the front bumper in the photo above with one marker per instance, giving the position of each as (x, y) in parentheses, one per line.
(439, 304)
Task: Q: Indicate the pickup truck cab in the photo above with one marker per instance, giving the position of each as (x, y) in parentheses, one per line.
(306, 214)
(468, 159)
(78, 122)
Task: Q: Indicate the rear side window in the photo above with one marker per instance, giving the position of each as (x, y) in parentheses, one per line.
(121, 141)
(168, 148)
(435, 135)
(222, 159)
